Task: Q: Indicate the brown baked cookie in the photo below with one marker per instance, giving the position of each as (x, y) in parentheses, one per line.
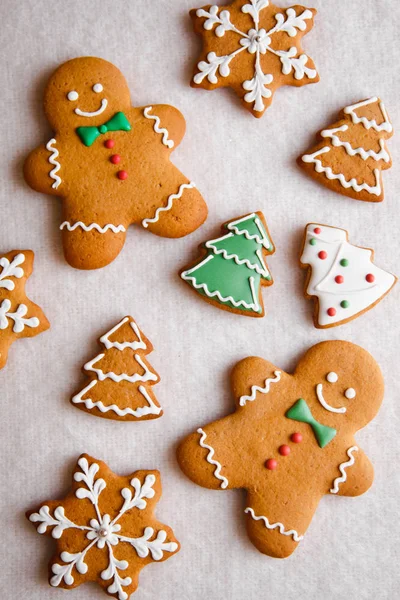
(19, 316)
(253, 47)
(351, 154)
(121, 378)
(105, 529)
(110, 163)
(341, 277)
(291, 440)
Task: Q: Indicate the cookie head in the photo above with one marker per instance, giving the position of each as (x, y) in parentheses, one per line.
(85, 91)
(344, 381)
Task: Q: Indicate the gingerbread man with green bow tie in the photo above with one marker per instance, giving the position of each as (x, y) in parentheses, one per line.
(110, 164)
(290, 440)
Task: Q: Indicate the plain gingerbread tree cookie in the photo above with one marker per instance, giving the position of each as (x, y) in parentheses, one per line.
(110, 164)
(290, 440)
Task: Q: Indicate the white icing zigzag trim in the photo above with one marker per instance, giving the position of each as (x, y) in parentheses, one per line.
(245, 261)
(385, 126)
(342, 468)
(148, 375)
(165, 140)
(336, 141)
(53, 161)
(280, 526)
(263, 390)
(171, 198)
(121, 346)
(141, 411)
(211, 460)
(114, 228)
(329, 174)
(260, 239)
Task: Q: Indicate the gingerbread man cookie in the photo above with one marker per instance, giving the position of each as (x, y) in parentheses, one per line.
(291, 440)
(110, 164)
(104, 529)
(19, 316)
(254, 47)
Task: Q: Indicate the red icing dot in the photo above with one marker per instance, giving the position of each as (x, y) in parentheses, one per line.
(284, 450)
(109, 144)
(271, 464)
(331, 312)
(317, 230)
(370, 278)
(322, 255)
(122, 175)
(296, 438)
(115, 159)
(339, 278)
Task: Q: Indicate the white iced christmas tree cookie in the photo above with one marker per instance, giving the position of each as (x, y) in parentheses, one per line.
(342, 277)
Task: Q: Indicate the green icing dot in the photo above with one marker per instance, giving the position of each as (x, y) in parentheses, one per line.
(345, 304)
(103, 129)
(344, 262)
(313, 241)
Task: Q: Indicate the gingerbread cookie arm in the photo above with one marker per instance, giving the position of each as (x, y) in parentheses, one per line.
(167, 122)
(43, 169)
(253, 378)
(355, 474)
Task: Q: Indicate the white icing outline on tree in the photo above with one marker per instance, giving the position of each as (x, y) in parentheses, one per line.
(11, 269)
(103, 531)
(148, 375)
(255, 41)
(18, 317)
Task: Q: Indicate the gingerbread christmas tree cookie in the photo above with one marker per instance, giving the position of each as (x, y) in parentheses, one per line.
(351, 154)
(290, 440)
(19, 316)
(105, 529)
(234, 269)
(110, 164)
(341, 277)
(121, 377)
(254, 47)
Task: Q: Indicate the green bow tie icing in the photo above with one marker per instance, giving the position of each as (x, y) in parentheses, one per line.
(301, 412)
(118, 122)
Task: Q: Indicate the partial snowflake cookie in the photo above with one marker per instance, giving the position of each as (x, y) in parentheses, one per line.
(105, 529)
(234, 270)
(19, 316)
(342, 278)
(121, 378)
(254, 47)
(352, 153)
(290, 441)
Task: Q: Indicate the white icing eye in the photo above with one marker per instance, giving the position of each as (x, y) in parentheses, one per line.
(72, 96)
(350, 393)
(97, 88)
(332, 377)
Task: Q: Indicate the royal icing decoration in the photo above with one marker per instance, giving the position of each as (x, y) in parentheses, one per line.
(211, 460)
(263, 390)
(164, 132)
(270, 35)
(324, 403)
(171, 198)
(52, 160)
(10, 269)
(112, 530)
(120, 373)
(279, 526)
(339, 281)
(234, 269)
(99, 228)
(342, 468)
(353, 152)
(300, 411)
(17, 317)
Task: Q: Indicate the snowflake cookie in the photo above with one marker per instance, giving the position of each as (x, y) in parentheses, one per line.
(105, 530)
(341, 276)
(19, 317)
(121, 377)
(290, 440)
(253, 47)
(110, 164)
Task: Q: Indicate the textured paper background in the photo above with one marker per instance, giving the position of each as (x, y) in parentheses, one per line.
(240, 164)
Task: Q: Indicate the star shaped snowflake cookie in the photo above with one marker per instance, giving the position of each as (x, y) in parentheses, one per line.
(253, 47)
(105, 529)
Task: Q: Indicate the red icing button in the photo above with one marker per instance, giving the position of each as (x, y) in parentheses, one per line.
(331, 312)
(115, 159)
(296, 438)
(370, 278)
(109, 144)
(284, 450)
(322, 255)
(122, 175)
(271, 464)
(339, 278)
(317, 230)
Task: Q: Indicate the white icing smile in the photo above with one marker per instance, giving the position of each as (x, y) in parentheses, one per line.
(324, 402)
(95, 113)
